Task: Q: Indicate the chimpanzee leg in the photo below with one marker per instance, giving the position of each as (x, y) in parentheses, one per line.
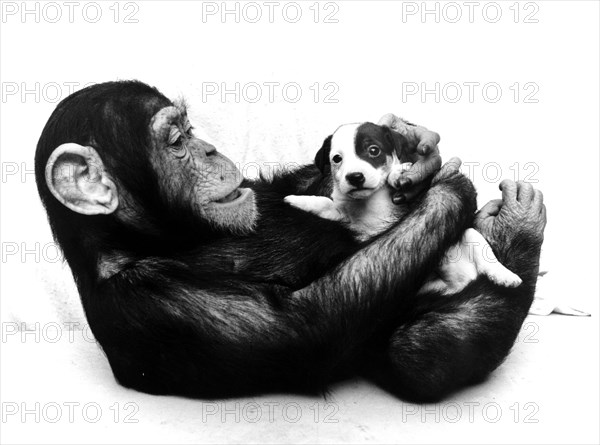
(446, 342)
(453, 341)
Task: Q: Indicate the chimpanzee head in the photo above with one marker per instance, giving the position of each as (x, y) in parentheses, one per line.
(121, 157)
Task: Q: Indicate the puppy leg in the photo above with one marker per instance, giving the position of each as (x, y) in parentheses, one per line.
(318, 205)
(434, 284)
(454, 273)
(464, 261)
(488, 264)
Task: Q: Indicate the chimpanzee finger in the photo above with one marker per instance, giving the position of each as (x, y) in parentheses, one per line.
(398, 198)
(524, 192)
(421, 170)
(509, 191)
(448, 169)
(406, 195)
(543, 214)
(388, 120)
(538, 199)
(420, 140)
(492, 208)
(428, 141)
(453, 165)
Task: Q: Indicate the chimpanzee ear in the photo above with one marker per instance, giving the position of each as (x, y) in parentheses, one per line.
(322, 156)
(76, 177)
(399, 142)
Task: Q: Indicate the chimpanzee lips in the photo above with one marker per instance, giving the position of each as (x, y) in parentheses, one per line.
(235, 198)
(232, 196)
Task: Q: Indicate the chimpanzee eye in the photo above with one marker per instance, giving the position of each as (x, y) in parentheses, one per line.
(337, 159)
(179, 149)
(174, 136)
(176, 144)
(374, 151)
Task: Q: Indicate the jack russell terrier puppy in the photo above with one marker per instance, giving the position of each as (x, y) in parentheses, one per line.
(365, 164)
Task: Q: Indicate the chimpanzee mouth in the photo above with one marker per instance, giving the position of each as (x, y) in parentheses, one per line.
(234, 197)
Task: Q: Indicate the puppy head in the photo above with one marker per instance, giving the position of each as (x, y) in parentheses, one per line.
(360, 157)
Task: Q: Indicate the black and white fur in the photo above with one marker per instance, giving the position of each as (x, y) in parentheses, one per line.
(364, 160)
(192, 308)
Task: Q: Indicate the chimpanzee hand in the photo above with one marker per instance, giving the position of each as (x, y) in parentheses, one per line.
(516, 220)
(422, 152)
(449, 169)
(449, 187)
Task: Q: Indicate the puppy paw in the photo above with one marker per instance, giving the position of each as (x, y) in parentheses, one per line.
(396, 174)
(503, 277)
(292, 200)
(318, 205)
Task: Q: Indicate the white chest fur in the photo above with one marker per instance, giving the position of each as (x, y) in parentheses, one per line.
(368, 217)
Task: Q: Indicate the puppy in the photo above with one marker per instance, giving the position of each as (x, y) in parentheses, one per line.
(364, 161)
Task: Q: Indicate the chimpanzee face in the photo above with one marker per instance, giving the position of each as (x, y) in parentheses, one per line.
(191, 170)
(144, 167)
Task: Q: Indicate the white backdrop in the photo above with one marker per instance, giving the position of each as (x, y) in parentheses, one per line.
(511, 87)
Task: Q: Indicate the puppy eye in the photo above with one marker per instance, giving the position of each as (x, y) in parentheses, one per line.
(374, 151)
(337, 159)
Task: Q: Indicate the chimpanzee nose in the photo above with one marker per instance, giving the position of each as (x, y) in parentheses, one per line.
(356, 179)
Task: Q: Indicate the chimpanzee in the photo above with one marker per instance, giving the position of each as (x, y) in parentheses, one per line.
(198, 283)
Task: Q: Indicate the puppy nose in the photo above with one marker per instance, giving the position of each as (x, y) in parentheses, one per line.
(355, 179)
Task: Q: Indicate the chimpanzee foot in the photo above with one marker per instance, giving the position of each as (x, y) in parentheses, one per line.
(518, 219)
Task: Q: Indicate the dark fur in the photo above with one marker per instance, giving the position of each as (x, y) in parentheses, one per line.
(292, 307)
(322, 157)
(367, 134)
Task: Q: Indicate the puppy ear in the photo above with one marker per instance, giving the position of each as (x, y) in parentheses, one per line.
(399, 142)
(322, 156)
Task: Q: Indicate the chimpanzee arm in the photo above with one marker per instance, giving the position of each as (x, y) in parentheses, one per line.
(443, 343)
(398, 261)
(188, 336)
